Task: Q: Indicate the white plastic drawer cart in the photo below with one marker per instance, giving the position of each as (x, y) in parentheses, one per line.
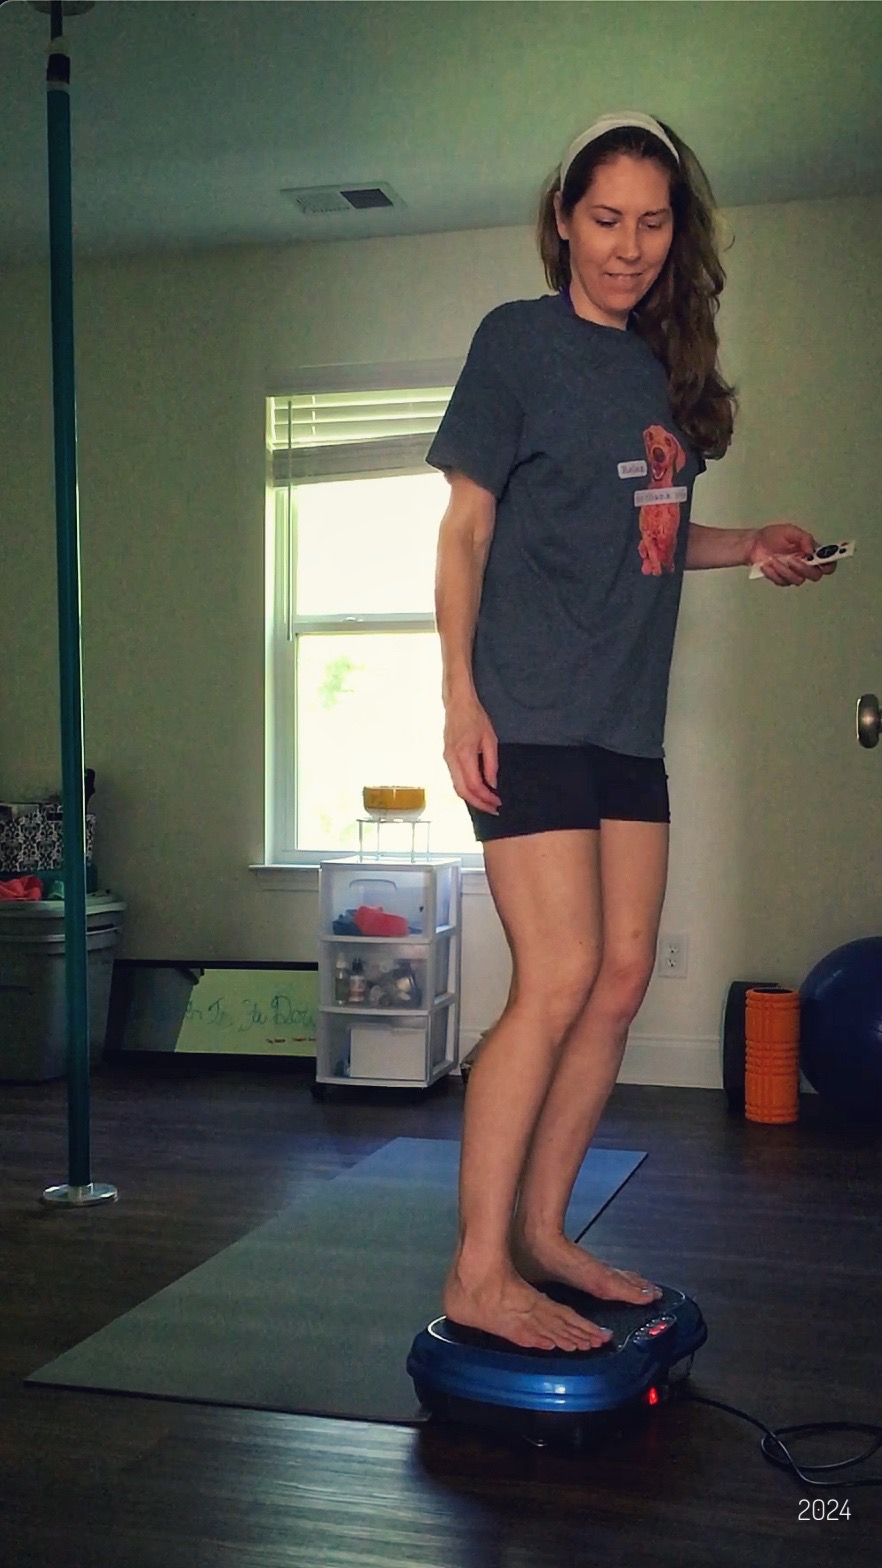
(388, 1000)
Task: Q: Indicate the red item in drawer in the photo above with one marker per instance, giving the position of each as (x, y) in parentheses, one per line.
(373, 921)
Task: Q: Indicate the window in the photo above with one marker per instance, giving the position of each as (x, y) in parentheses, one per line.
(353, 660)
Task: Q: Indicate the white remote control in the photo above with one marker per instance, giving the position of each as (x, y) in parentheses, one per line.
(824, 554)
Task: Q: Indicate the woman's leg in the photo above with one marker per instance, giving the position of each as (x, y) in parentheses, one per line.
(546, 890)
(633, 873)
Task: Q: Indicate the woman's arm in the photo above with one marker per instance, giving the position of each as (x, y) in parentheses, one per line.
(778, 548)
(463, 546)
(718, 547)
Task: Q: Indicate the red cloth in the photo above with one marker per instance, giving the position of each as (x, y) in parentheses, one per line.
(22, 887)
(376, 922)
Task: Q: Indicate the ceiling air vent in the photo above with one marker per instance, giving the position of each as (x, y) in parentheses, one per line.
(319, 199)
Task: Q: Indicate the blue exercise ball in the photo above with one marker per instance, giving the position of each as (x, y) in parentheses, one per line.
(841, 1027)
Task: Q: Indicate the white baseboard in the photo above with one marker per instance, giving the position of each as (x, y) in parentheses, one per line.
(672, 1062)
(664, 1063)
(651, 1059)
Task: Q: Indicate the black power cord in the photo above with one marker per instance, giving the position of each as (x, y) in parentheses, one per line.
(778, 1453)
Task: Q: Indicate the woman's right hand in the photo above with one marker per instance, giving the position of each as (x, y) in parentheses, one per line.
(470, 751)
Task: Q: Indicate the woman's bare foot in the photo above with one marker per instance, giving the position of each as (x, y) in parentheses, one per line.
(505, 1305)
(554, 1257)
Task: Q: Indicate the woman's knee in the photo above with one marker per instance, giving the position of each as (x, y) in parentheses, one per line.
(556, 993)
(622, 982)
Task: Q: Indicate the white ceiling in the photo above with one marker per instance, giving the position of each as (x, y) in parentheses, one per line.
(189, 118)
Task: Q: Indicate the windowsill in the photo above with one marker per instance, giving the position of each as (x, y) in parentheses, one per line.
(293, 878)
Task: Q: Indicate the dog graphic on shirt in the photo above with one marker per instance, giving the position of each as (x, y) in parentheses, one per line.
(659, 521)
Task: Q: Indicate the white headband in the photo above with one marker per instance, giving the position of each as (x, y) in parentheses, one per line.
(613, 122)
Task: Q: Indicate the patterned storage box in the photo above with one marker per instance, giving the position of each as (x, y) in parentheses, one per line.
(32, 838)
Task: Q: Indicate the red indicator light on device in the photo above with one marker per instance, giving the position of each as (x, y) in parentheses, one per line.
(652, 1397)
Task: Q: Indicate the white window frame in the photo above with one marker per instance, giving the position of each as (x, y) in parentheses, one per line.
(283, 625)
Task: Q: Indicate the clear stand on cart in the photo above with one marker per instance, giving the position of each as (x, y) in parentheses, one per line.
(371, 836)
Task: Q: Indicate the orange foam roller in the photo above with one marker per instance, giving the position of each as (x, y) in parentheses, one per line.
(771, 1065)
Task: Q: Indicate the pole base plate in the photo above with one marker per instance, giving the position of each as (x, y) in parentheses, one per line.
(80, 1197)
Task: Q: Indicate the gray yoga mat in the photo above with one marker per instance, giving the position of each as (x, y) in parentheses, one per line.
(314, 1312)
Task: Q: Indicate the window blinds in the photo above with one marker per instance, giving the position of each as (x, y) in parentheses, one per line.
(335, 435)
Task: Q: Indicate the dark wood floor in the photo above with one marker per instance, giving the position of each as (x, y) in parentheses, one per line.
(776, 1231)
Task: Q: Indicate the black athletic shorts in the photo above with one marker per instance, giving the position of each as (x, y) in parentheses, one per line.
(546, 788)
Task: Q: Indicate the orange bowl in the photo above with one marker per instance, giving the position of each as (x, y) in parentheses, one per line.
(393, 800)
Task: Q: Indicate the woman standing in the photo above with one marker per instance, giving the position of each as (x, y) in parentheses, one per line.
(571, 444)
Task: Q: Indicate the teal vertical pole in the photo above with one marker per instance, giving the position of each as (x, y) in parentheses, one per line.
(79, 1188)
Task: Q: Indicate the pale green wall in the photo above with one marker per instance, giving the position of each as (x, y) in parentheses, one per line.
(775, 840)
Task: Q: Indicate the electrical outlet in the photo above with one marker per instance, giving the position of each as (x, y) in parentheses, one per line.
(673, 956)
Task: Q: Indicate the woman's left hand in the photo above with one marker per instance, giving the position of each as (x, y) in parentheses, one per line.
(780, 550)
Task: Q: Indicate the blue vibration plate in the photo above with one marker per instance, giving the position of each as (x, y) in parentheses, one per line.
(462, 1374)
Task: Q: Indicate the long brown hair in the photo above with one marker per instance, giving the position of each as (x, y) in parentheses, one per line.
(677, 317)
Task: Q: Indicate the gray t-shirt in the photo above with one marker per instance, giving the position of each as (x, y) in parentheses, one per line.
(569, 424)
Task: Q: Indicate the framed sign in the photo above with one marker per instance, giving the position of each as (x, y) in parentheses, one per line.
(214, 1009)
